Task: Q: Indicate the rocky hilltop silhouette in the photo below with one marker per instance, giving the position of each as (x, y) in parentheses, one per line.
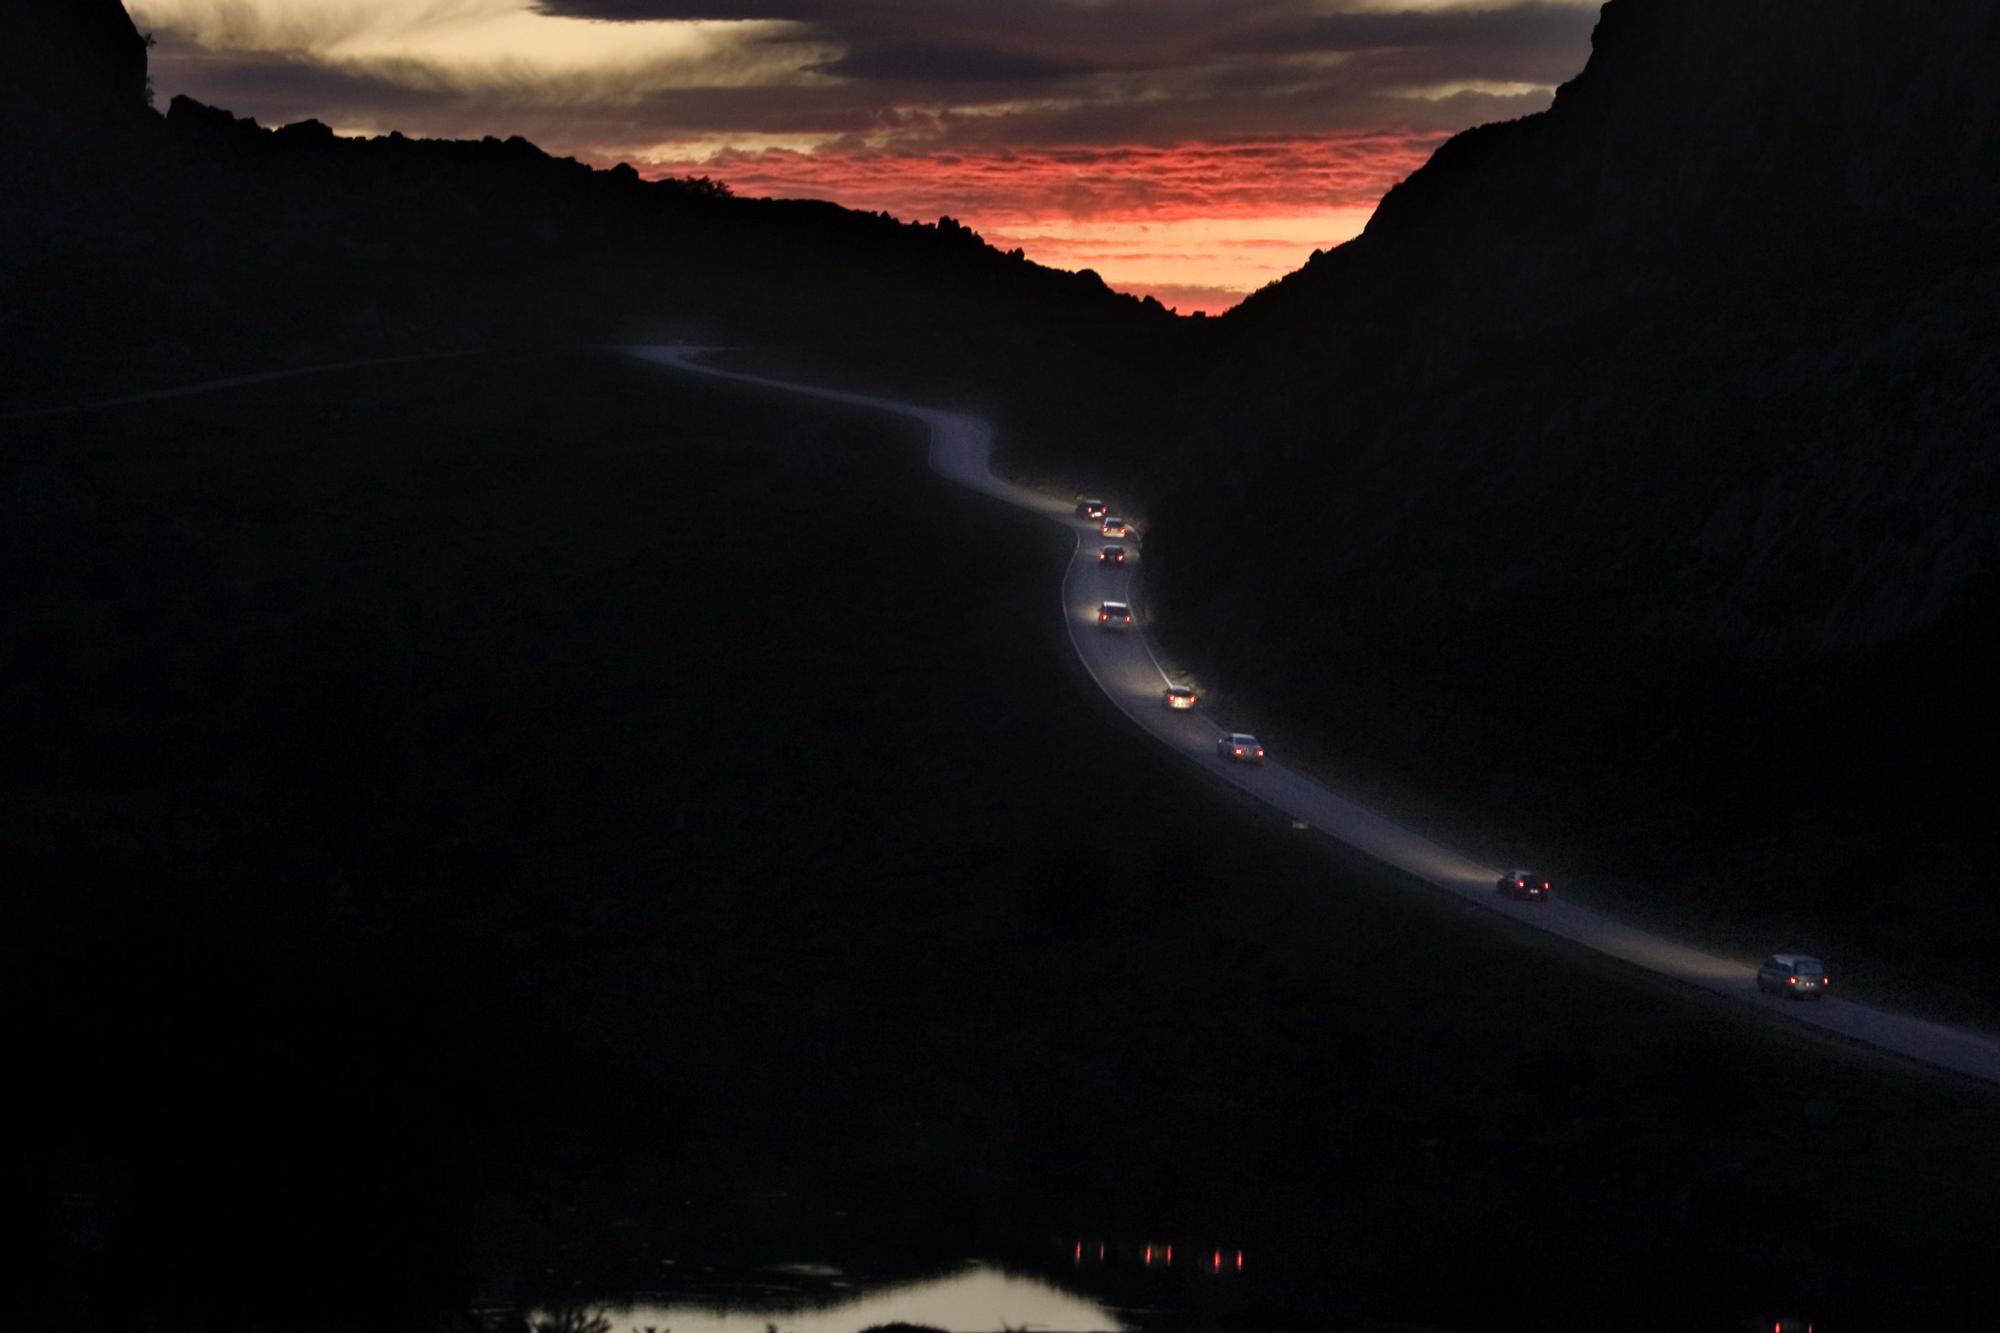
(151, 248)
(1700, 278)
(1653, 435)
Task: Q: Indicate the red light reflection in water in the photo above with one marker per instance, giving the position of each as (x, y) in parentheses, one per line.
(1158, 1254)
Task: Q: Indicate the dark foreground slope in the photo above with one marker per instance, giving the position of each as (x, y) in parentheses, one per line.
(142, 248)
(449, 856)
(1630, 484)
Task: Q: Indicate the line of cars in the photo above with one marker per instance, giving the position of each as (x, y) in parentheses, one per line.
(1798, 976)
(1235, 747)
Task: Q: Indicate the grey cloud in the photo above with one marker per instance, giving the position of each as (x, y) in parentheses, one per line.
(938, 73)
(946, 63)
(278, 91)
(1522, 28)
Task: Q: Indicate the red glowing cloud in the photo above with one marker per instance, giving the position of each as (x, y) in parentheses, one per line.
(1197, 225)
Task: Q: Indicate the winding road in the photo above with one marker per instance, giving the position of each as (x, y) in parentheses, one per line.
(1124, 667)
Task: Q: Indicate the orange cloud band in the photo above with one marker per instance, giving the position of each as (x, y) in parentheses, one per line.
(1198, 225)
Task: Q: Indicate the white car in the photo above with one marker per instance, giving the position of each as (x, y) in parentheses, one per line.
(1238, 748)
(1114, 526)
(1181, 697)
(1114, 615)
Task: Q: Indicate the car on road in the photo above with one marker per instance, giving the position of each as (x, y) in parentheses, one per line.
(1798, 975)
(1181, 697)
(1111, 555)
(1088, 508)
(1524, 884)
(1114, 526)
(1240, 749)
(1114, 615)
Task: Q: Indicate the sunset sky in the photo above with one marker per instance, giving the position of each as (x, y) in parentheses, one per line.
(1191, 149)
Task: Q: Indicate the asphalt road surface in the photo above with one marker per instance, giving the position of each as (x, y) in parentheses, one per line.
(1123, 665)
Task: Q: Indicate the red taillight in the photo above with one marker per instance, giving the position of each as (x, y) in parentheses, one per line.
(1170, 1254)
(1149, 1255)
(1545, 884)
(1078, 1256)
(1218, 1259)
(1791, 981)
(1100, 1251)
(1239, 1261)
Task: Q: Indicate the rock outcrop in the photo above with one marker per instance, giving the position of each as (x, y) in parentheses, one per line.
(70, 63)
(1705, 326)
(1631, 482)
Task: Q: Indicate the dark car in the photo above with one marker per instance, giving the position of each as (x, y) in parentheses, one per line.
(1181, 697)
(1086, 508)
(1524, 884)
(1111, 555)
(1795, 974)
(1238, 748)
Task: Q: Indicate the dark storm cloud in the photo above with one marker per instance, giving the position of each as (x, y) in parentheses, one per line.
(943, 73)
(944, 63)
(279, 91)
(1032, 39)
(1526, 28)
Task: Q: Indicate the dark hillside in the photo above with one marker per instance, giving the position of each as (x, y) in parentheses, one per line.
(144, 249)
(448, 857)
(1631, 482)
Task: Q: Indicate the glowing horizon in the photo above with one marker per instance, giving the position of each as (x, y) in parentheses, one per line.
(1192, 152)
(1196, 226)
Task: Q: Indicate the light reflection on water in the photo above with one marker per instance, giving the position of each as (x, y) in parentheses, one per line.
(977, 1299)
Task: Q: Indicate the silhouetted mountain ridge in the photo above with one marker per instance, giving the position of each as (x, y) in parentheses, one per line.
(1737, 230)
(150, 248)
